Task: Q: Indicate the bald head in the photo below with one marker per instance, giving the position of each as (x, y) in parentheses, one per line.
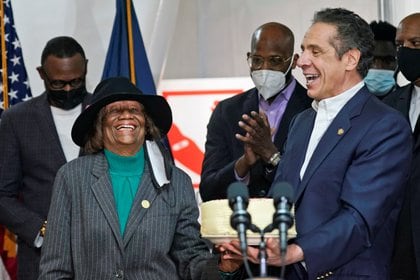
(273, 37)
(408, 32)
(411, 17)
(408, 45)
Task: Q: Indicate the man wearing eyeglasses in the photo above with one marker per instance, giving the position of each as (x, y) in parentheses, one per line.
(246, 132)
(35, 142)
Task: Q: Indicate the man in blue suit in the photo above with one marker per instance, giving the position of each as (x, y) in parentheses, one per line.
(347, 159)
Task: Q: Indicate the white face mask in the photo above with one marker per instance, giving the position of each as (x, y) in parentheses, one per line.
(269, 82)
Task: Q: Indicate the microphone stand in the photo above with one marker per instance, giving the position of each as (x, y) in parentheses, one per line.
(283, 251)
(284, 221)
(262, 253)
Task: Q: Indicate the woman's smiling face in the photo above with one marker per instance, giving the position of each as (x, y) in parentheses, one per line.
(124, 127)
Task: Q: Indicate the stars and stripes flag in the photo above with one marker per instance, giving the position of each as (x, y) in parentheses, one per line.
(14, 85)
(8, 260)
(14, 88)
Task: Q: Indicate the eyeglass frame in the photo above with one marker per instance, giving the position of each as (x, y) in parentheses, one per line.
(277, 66)
(74, 83)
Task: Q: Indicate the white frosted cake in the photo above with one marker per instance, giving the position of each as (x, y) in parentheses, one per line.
(215, 220)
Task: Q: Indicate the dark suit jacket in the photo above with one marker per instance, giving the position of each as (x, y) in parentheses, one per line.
(161, 239)
(30, 156)
(406, 257)
(223, 149)
(347, 203)
(414, 195)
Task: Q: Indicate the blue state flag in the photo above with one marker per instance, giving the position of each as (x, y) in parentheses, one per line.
(14, 84)
(126, 55)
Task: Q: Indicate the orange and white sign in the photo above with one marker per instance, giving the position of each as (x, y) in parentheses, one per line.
(192, 101)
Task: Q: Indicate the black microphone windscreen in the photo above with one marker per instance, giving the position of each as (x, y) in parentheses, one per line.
(237, 189)
(282, 189)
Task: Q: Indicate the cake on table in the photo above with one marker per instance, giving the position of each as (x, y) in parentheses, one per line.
(215, 220)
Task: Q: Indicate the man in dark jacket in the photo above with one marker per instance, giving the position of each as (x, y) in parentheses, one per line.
(406, 258)
(250, 151)
(35, 142)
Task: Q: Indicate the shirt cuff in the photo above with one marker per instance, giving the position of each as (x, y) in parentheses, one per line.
(244, 180)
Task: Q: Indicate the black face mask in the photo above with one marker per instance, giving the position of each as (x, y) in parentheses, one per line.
(66, 100)
(408, 63)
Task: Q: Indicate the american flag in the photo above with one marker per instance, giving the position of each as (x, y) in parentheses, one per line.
(16, 89)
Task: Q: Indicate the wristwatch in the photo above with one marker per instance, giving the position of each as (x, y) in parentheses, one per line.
(274, 160)
(43, 229)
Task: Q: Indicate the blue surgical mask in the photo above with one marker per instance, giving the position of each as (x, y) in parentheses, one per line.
(380, 81)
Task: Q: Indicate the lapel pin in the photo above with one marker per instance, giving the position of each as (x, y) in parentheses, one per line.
(145, 204)
(340, 131)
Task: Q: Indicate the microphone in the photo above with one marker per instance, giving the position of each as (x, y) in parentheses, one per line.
(240, 219)
(282, 218)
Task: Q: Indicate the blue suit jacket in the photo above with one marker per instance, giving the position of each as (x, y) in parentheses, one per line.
(347, 202)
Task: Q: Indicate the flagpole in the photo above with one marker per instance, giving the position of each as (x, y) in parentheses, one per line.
(4, 58)
(130, 43)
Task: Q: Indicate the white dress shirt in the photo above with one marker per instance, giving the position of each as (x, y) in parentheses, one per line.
(64, 120)
(327, 109)
(414, 107)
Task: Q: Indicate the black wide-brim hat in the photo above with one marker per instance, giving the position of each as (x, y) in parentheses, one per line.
(117, 89)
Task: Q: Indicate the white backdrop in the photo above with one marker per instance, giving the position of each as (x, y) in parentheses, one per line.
(183, 38)
(89, 22)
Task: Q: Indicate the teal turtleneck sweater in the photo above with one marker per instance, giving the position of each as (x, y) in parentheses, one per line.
(126, 173)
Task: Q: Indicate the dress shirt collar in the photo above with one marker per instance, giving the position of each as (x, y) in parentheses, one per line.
(331, 106)
(285, 93)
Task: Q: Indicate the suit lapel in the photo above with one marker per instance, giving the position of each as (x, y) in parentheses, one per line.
(47, 127)
(297, 144)
(403, 105)
(332, 136)
(144, 198)
(403, 101)
(301, 141)
(102, 190)
(295, 104)
(416, 134)
(251, 102)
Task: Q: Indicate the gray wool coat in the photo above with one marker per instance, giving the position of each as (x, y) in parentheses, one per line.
(161, 239)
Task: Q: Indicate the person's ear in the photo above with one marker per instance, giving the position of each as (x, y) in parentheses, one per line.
(41, 72)
(86, 63)
(352, 58)
(295, 58)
